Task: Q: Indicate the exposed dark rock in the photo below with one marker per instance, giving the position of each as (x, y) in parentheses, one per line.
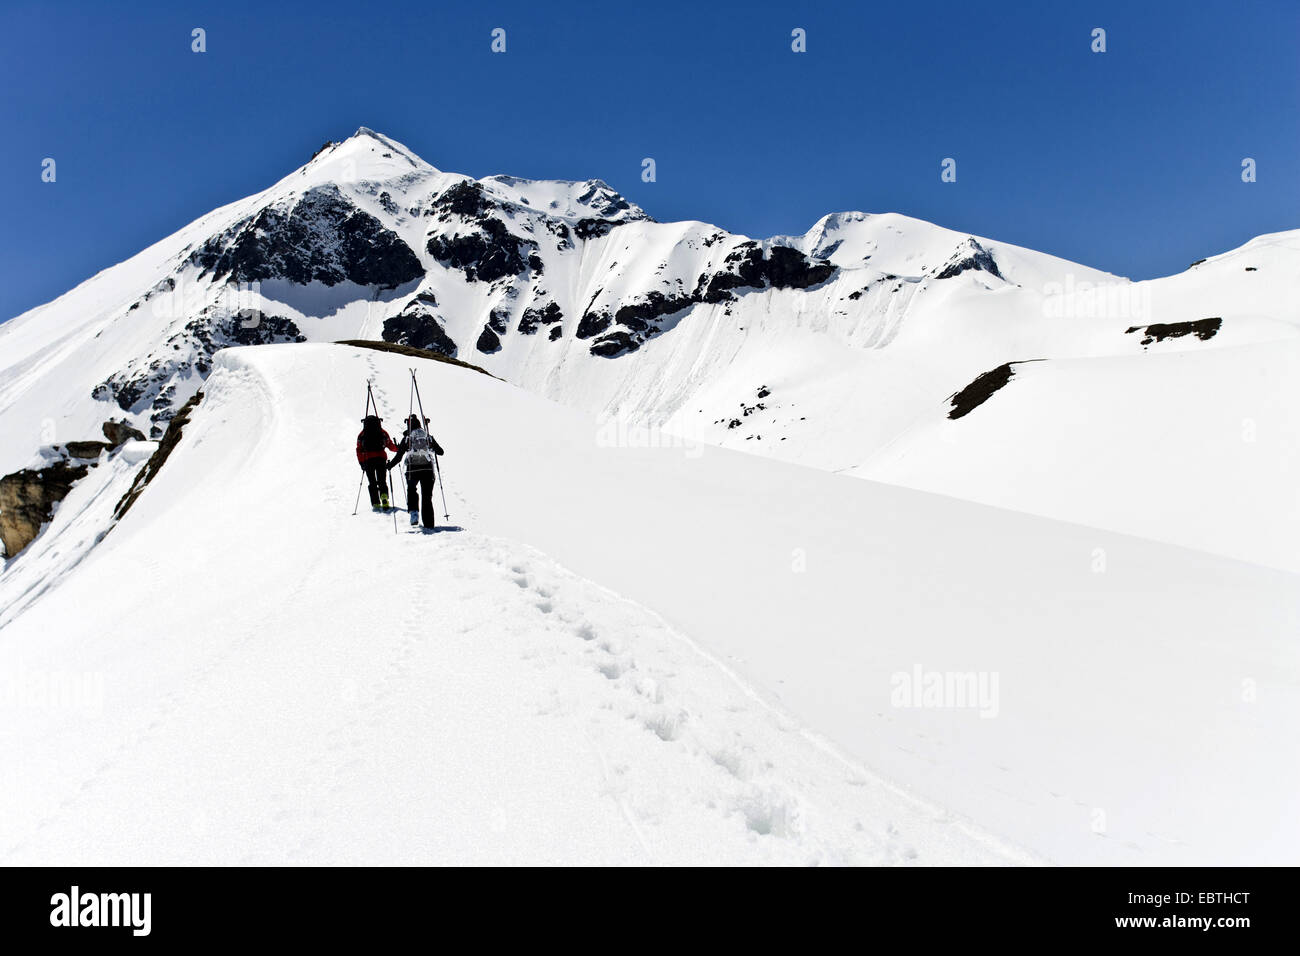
(419, 329)
(970, 255)
(28, 499)
(743, 267)
(86, 450)
(484, 256)
(323, 237)
(170, 439)
(488, 341)
(466, 200)
(559, 229)
(638, 315)
(746, 267)
(149, 383)
(593, 324)
(410, 352)
(977, 392)
(592, 228)
(556, 332)
(533, 318)
(1203, 329)
(615, 343)
(120, 431)
(790, 269)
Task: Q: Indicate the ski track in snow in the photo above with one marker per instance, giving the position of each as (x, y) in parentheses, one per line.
(289, 683)
(690, 763)
(429, 698)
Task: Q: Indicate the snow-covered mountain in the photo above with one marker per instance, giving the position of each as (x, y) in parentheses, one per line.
(638, 644)
(838, 349)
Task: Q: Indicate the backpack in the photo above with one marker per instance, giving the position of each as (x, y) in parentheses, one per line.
(419, 448)
(372, 434)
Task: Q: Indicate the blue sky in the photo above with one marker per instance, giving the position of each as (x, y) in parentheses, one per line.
(1128, 160)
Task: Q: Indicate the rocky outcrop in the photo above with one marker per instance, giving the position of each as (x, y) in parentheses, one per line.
(28, 499)
(413, 353)
(746, 266)
(982, 388)
(85, 450)
(152, 383)
(171, 438)
(419, 327)
(534, 317)
(790, 269)
(1203, 329)
(321, 237)
(489, 339)
(970, 256)
(118, 432)
(487, 253)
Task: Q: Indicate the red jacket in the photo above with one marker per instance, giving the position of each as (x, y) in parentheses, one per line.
(380, 455)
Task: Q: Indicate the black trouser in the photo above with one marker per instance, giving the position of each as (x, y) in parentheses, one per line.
(422, 477)
(377, 475)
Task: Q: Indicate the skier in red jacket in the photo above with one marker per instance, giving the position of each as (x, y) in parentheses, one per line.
(373, 445)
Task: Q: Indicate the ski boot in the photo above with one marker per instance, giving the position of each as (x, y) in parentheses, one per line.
(383, 502)
(415, 518)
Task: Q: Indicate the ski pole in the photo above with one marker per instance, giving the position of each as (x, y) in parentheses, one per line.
(442, 488)
(369, 401)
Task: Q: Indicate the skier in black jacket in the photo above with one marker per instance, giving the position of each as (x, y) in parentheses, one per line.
(418, 448)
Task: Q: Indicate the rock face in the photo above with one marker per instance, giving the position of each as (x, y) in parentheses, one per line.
(151, 383)
(85, 450)
(28, 500)
(1203, 329)
(534, 317)
(322, 237)
(119, 432)
(982, 388)
(634, 320)
(418, 326)
(171, 438)
(970, 255)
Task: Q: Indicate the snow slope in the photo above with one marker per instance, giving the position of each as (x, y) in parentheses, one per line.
(1194, 448)
(628, 654)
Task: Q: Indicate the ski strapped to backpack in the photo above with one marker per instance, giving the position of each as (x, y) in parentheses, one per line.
(371, 405)
(419, 439)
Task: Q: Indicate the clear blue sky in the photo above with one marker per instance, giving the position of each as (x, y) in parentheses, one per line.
(1127, 160)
